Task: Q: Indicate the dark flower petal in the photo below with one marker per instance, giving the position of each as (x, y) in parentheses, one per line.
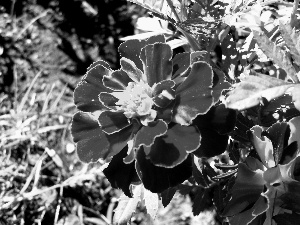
(118, 140)
(157, 179)
(92, 142)
(108, 100)
(132, 71)
(112, 122)
(163, 93)
(165, 113)
(131, 49)
(118, 80)
(119, 174)
(87, 91)
(218, 118)
(181, 62)
(172, 148)
(157, 63)
(194, 94)
(147, 134)
(212, 143)
(99, 62)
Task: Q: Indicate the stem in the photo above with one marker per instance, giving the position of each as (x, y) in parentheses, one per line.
(296, 3)
(173, 10)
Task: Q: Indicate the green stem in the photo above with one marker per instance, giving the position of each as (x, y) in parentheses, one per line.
(296, 3)
(173, 10)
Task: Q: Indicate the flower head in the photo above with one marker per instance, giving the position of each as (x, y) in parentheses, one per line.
(151, 102)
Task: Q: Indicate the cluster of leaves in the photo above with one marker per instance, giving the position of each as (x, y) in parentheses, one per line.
(156, 119)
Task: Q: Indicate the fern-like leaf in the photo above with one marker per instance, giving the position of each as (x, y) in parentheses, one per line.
(292, 40)
(159, 7)
(279, 56)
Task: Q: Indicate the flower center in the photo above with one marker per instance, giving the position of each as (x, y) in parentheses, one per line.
(136, 101)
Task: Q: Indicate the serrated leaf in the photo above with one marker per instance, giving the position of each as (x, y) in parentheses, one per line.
(127, 206)
(250, 91)
(157, 6)
(151, 203)
(194, 95)
(291, 39)
(276, 53)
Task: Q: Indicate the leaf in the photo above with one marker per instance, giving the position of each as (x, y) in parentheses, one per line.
(276, 53)
(147, 134)
(167, 196)
(279, 134)
(296, 96)
(87, 91)
(119, 174)
(158, 179)
(229, 53)
(287, 218)
(127, 206)
(295, 131)
(219, 84)
(250, 91)
(291, 39)
(201, 201)
(263, 146)
(157, 6)
(194, 95)
(157, 64)
(197, 174)
(174, 146)
(151, 203)
(246, 190)
(112, 122)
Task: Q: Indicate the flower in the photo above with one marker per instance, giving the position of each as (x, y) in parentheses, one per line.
(151, 103)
